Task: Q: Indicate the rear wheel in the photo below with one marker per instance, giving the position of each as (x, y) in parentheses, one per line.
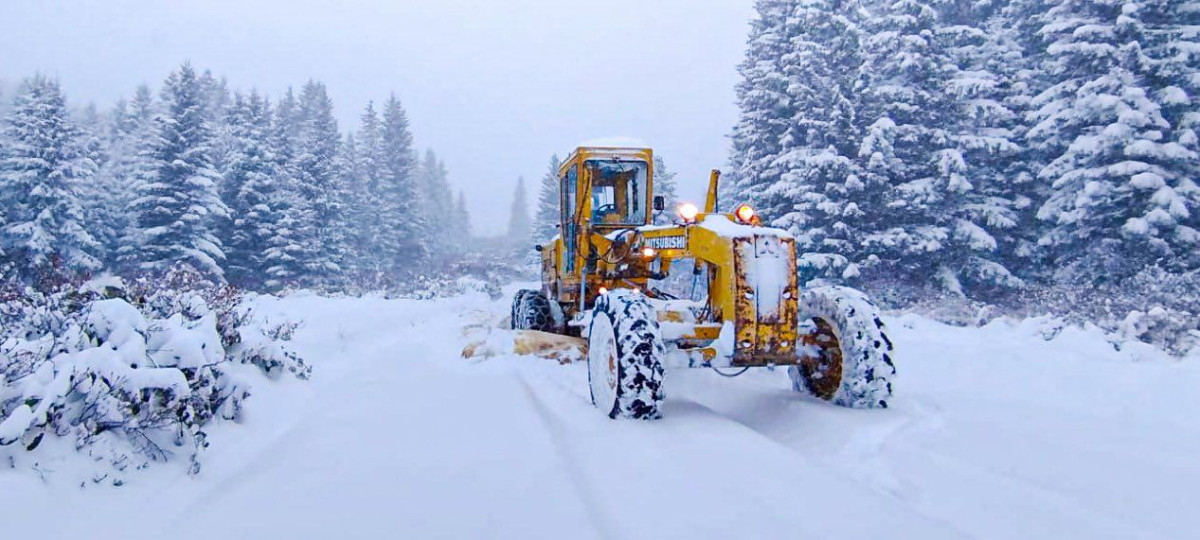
(852, 365)
(625, 351)
(531, 311)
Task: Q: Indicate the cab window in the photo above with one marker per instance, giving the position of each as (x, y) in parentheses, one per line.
(569, 207)
(618, 191)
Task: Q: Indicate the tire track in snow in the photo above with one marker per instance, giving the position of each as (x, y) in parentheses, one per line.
(773, 413)
(673, 442)
(871, 445)
(806, 458)
(976, 474)
(569, 457)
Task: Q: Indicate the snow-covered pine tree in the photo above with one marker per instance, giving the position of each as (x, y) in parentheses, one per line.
(763, 100)
(250, 176)
(813, 195)
(43, 166)
(177, 205)
(217, 97)
(1173, 43)
(354, 182)
(404, 246)
(217, 101)
(546, 217)
(664, 186)
(130, 162)
(285, 132)
(437, 199)
(289, 251)
(102, 214)
(370, 223)
(985, 82)
(914, 174)
(1009, 54)
(461, 224)
(1122, 196)
(314, 166)
(286, 256)
(519, 224)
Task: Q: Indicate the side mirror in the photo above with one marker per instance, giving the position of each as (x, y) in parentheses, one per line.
(660, 203)
(538, 248)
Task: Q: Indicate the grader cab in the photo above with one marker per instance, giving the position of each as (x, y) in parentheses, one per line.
(600, 276)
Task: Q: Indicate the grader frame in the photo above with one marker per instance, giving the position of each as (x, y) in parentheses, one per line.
(749, 316)
(596, 283)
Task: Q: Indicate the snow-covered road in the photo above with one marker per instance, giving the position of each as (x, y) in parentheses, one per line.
(995, 433)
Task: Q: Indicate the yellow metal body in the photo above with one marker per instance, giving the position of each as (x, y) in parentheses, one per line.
(590, 255)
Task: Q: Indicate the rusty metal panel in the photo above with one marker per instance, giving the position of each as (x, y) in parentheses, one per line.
(765, 301)
(744, 302)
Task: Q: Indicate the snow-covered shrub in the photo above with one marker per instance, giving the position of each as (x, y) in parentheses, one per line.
(132, 374)
(1154, 306)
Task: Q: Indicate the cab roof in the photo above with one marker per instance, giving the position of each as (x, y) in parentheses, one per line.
(601, 152)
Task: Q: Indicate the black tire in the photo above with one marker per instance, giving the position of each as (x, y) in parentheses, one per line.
(855, 367)
(531, 311)
(625, 352)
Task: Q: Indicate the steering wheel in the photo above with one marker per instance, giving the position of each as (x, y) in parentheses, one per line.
(604, 210)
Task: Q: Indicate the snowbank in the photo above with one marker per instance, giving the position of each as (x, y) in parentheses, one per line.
(128, 384)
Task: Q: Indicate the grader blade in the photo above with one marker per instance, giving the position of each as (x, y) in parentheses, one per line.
(557, 347)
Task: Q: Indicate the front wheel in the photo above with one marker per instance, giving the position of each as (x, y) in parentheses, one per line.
(531, 311)
(625, 351)
(850, 360)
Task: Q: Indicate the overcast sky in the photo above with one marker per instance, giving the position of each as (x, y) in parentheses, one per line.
(493, 87)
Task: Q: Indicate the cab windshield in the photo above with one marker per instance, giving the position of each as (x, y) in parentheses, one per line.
(618, 191)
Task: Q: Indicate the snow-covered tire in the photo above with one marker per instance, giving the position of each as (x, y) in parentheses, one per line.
(855, 367)
(625, 353)
(531, 311)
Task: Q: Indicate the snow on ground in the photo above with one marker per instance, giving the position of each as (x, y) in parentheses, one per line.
(995, 433)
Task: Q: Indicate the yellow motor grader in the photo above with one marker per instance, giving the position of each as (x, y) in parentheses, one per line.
(600, 276)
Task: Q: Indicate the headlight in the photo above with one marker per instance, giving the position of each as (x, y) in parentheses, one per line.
(745, 214)
(688, 212)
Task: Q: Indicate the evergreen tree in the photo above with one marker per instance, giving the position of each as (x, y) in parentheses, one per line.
(289, 250)
(370, 159)
(350, 164)
(405, 246)
(462, 219)
(1174, 49)
(1122, 196)
(102, 216)
(820, 67)
(913, 227)
(764, 104)
(664, 186)
(546, 217)
(178, 203)
(217, 101)
(285, 133)
(519, 225)
(43, 166)
(131, 163)
(250, 175)
(314, 166)
(437, 199)
(985, 81)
